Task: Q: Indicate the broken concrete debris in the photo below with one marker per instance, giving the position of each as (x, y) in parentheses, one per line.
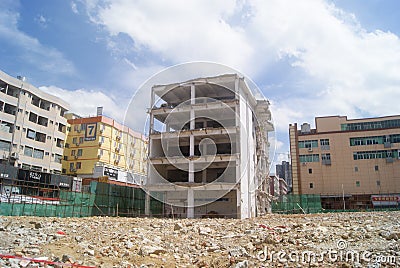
(273, 240)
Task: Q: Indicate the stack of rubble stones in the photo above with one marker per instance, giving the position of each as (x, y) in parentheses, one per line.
(367, 239)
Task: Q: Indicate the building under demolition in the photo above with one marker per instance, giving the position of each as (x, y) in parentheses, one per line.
(208, 148)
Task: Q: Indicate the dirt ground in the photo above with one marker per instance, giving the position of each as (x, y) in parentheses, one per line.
(365, 239)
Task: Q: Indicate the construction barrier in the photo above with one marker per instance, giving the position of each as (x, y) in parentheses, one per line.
(96, 199)
(292, 204)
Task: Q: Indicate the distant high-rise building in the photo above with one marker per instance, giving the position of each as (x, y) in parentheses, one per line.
(284, 171)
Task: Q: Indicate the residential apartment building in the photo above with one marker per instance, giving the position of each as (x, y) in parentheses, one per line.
(208, 148)
(352, 163)
(284, 171)
(100, 147)
(32, 126)
(277, 186)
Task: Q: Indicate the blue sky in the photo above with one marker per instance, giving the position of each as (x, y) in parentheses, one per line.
(310, 58)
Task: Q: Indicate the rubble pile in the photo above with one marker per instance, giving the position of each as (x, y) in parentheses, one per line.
(365, 239)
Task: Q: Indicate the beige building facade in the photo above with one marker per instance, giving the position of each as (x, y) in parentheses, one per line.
(32, 126)
(351, 163)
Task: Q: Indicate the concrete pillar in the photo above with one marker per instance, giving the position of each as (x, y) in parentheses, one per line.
(192, 94)
(204, 176)
(192, 126)
(191, 171)
(190, 202)
(147, 205)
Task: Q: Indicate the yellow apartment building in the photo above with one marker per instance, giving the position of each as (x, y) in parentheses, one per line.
(99, 147)
(351, 163)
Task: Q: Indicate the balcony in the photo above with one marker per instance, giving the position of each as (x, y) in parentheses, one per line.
(387, 144)
(326, 162)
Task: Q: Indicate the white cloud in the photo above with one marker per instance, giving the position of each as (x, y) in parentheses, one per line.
(74, 7)
(358, 69)
(177, 31)
(84, 102)
(31, 51)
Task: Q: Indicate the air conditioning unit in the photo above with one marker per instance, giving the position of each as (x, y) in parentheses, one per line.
(304, 164)
(77, 144)
(100, 143)
(78, 130)
(72, 169)
(99, 156)
(76, 157)
(117, 149)
(310, 149)
(14, 155)
(118, 138)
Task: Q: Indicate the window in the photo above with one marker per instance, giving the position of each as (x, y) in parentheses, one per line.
(356, 169)
(30, 134)
(371, 125)
(324, 142)
(71, 166)
(308, 144)
(375, 154)
(57, 158)
(38, 154)
(376, 168)
(78, 165)
(325, 157)
(74, 140)
(46, 153)
(358, 184)
(378, 183)
(310, 171)
(73, 152)
(28, 151)
(311, 185)
(26, 166)
(79, 152)
(80, 139)
(309, 158)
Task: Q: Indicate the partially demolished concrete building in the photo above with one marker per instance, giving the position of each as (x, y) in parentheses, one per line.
(208, 148)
